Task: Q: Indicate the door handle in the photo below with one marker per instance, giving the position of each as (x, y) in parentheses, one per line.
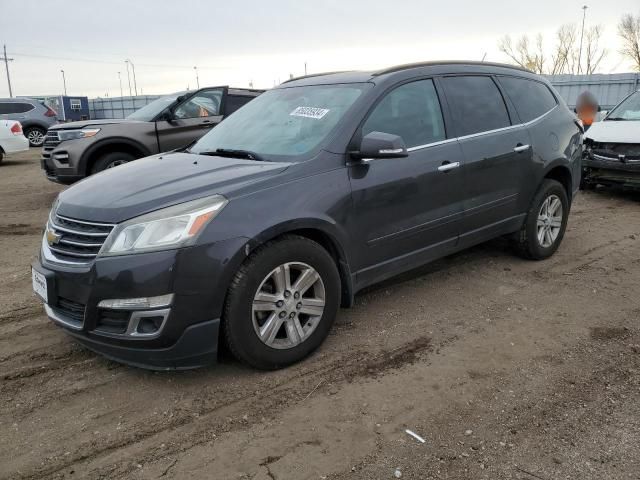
(521, 148)
(446, 166)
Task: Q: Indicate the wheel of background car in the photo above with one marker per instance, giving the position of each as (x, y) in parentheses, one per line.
(35, 135)
(111, 160)
(545, 223)
(281, 303)
(1, 156)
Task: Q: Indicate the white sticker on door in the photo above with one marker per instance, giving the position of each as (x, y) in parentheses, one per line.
(310, 112)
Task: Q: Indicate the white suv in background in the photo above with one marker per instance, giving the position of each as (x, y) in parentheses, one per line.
(12, 139)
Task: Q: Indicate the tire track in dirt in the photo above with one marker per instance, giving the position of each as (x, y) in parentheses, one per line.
(356, 365)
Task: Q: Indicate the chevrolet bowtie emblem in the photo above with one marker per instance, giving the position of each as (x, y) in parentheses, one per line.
(52, 237)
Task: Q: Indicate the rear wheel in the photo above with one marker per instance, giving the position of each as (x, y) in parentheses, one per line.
(545, 223)
(281, 303)
(111, 160)
(1, 156)
(35, 135)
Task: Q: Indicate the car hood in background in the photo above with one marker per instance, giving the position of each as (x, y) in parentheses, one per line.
(92, 123)
(613, 131)
(160, 181)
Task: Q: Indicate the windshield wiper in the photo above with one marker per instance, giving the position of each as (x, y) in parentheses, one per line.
(230, 153)
(617, 119)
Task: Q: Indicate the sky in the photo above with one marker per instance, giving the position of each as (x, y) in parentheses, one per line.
(260, 43)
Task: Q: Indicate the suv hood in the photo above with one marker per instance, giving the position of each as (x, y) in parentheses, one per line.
(611, 131)
(160, 181)
(91, 123)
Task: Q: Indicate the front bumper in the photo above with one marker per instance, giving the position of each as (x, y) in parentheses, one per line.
(60, 161)
(197, 276)
(610, 171)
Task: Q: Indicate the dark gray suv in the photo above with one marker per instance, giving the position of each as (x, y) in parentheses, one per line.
(256, 234)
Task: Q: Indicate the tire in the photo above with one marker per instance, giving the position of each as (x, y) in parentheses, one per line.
(35, 135)
(1, 156)
(257, 277)
(528, 242)
(111, 160)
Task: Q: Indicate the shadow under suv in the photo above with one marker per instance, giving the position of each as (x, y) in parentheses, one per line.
(257, 233)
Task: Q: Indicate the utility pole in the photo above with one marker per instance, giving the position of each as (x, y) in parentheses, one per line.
(121, 94)
(305, 69)
(6, 65)
(584, 14)
(197, 79)
(128, 78)
(64, 82)
(133, 69)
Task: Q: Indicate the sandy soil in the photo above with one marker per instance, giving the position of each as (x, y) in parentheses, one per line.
(508, 369)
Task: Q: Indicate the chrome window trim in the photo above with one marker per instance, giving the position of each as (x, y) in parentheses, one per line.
(479, 134)
(433, 144)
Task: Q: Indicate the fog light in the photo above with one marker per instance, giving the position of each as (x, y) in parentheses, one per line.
(142, 303)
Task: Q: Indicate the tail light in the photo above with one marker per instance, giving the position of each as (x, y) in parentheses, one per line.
(16, 128)
(50, 112)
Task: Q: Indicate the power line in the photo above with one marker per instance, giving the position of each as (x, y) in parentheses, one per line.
(106, 62)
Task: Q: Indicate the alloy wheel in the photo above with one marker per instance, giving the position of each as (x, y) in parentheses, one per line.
(288, 305)
(36, 137)
(116, 163)
(549, 221)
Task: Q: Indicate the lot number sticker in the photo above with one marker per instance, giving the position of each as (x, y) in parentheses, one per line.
(310, 112)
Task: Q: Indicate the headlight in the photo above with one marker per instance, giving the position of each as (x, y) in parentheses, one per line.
(73, 134)
(171, 227)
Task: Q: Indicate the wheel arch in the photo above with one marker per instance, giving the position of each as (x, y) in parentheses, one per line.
(561, 173)
(323, 233)
(120, 144)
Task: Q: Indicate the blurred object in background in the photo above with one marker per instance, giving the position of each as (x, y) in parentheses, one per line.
(587, 108)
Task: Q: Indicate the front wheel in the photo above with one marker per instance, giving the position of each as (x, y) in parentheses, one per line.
(281, 303)
(545, 223)
(111, 160)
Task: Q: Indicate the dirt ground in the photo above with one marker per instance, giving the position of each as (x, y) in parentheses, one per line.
(508, 369)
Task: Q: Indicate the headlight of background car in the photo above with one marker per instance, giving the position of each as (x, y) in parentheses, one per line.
(73, 134)
(171, 227)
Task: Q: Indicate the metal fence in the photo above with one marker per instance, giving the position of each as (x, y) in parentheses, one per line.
(117, 107)
(608, 89)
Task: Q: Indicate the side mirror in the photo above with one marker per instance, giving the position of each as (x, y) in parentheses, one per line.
(167, 116)
(381, 145)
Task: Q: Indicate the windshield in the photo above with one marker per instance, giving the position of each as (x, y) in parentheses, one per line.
(629, 109)
(151, 110)
(281, 123)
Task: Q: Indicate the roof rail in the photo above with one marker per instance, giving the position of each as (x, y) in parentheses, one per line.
(311, 75)
(408, 66)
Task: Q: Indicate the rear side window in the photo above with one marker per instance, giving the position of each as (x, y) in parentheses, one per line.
(476, 103)
(234, 102)
(15, 107)
(531, 99)
(411, 111)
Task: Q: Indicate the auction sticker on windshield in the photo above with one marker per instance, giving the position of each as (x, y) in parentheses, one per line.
(310, 112)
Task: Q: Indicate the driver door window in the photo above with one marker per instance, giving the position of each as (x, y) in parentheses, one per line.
(203, 104)
(411, 111)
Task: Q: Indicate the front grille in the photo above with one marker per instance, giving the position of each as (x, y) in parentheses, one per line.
(612, 151)
(71, 309)
(51, 141)
(76, 240)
